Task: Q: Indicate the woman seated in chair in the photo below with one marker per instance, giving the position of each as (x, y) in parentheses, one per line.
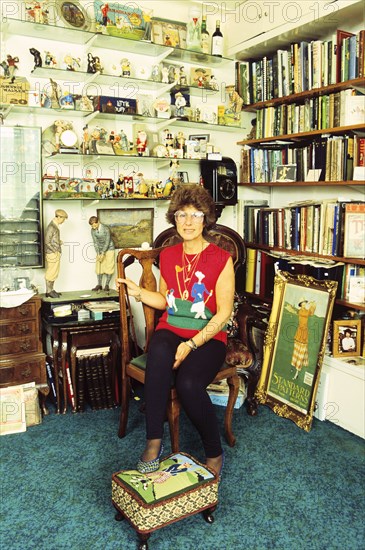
(196, 291)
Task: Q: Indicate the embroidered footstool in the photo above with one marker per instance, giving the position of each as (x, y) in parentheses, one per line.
(180, 488)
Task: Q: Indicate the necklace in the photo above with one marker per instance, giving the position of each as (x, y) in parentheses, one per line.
(190, 263)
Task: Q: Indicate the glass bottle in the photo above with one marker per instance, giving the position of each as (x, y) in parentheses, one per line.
(193, 34)
(217, 40)
(205, 37)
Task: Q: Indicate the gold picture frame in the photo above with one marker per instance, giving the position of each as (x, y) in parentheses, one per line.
(346, 339)
(294, 346)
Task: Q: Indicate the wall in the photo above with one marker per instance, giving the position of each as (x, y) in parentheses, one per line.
(77, 265)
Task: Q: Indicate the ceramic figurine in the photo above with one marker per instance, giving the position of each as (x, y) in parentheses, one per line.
(213, 84)
(180, 104)
(90, 64)
(49, 59)
(37, 57)
(126, 67)
(165, 75)
(86, 104)
(55, 94)
(124, 141)
(67, 101)
(37, 12)
(141, 142)
(98, 66)
(12, 66)
(71, 63)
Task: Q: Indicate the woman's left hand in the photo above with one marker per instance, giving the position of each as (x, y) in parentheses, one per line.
(182, 352)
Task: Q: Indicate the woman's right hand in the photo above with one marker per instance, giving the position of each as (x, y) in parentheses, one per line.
(132, 288)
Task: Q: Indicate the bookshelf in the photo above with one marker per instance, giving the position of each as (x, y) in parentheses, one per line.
(315, 123)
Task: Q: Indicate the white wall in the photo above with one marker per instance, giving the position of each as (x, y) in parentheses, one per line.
(77, 265)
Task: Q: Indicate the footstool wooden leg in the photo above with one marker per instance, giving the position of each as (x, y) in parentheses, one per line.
(208, 514)
(143, 538)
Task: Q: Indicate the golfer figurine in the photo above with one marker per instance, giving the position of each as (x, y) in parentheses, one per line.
(104, 247)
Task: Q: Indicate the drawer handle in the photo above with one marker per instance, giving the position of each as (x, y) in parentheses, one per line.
(25, 346)
(26, 372)
(24, 328)
(24, 310)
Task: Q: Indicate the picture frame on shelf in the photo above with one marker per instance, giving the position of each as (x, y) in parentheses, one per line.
(129, 227)
(285, 172)
(346, 339)
(294, 346)
(168, 33)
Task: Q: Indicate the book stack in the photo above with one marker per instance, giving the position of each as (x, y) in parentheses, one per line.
(331, 158)
(303, 66)
(94, 383)
(329, 227)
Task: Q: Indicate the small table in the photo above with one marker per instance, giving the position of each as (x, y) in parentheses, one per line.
(67, 333)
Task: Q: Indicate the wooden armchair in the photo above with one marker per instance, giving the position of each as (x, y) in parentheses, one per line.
(133, 360)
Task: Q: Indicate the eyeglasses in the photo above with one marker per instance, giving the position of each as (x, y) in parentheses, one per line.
(195, 217)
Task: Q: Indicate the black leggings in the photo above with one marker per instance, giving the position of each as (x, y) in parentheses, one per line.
(192, 377)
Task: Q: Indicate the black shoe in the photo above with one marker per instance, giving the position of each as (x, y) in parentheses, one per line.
(52, 294)
(97, 288)
(106, 288)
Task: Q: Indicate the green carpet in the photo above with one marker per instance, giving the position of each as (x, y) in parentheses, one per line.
(282, 488)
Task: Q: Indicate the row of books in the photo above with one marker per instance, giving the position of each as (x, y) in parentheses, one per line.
(322, 159)
(306, 65)
(328, 227)
(261, 267)
(344, 108)
(94, 384)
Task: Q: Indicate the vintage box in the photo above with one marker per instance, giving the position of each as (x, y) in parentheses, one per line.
(219, 394)
(115, 105)
(122, 20)
(181, 487)
(14, 93)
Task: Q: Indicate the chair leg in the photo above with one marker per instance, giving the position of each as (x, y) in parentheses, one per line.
(234, 386)
(124, 409)
(173, 413)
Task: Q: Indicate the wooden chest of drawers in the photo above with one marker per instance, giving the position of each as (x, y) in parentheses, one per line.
(21, 352)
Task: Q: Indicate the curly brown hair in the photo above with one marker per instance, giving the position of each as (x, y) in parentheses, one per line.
(196, 196)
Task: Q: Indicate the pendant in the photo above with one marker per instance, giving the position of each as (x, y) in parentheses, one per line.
(185, 295)
(187, 279)
(189, 266)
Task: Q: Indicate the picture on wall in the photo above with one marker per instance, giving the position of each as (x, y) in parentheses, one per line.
(129, 227)
(294, 346)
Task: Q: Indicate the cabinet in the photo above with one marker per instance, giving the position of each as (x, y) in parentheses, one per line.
(316, 134)
(21, 242)
(202, 112)
(22, 359)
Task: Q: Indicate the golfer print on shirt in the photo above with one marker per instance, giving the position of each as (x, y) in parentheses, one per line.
(199, 293)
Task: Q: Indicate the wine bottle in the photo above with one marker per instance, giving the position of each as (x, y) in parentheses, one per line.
(204, 36)
(217, 40)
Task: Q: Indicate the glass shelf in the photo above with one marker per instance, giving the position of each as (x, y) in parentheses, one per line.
(101, 78)
(5, 109)
(92, 39)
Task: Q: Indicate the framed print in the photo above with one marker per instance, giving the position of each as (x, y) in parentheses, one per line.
(286, 172)
(130, 227)
(168, 33)
(294, 346)
(346, 338)
(122, 20)
(353, 245)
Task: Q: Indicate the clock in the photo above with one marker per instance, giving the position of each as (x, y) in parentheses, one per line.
(227, 188)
